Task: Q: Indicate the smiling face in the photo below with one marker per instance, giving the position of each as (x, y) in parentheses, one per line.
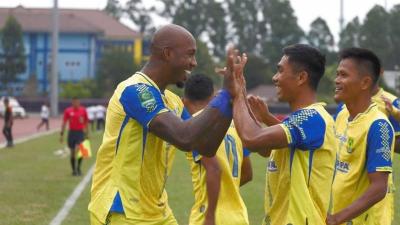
(349, 83)
(285, 80)
(182, 60)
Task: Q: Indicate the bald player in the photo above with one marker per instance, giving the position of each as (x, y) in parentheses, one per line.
(144, 124)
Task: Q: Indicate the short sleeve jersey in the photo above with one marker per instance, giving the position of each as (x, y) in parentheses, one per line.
(133, 164)
(231, 208)
(365, 146)
(301, 174)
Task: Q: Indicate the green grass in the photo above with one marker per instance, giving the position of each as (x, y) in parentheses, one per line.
(34, 183)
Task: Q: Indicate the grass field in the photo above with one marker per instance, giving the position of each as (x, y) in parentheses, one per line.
(34, 183)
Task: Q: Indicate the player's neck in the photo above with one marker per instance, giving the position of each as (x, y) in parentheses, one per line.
(155, 70)
(306, 98)
(194, 108)
(358, 105)
(375, 90)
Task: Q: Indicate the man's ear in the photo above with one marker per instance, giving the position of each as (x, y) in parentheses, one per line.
(366, 82)
(167, 53)
(302, 78)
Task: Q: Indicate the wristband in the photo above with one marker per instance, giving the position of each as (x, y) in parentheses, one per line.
(222, 102)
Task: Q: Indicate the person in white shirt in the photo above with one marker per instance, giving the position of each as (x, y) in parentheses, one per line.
(100, 113)
(44, 115)
(91, 111)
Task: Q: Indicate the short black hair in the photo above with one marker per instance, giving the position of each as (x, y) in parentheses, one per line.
(198, 87)
(310, 59)
(366, 60)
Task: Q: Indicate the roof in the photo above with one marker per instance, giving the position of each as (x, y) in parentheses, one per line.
(266, 92)
(70, 21)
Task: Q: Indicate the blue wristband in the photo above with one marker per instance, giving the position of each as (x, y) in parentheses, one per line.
(222, 102)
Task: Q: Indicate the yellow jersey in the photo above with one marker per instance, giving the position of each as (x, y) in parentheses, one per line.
(231, 209)
(299, 178)
(365, 146)
(132, 164)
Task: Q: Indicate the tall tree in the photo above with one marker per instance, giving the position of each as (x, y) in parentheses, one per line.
(12, 61)
(208, 24)
(244, 16)
(321, 37)
(394, 24)
(115, 66)
(139, 14)
(283, 28)
(350, 36)
(375, 34)
(113, 8)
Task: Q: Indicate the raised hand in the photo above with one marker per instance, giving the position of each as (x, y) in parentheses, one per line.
(234, 80)
(258, 107)
(388, 104)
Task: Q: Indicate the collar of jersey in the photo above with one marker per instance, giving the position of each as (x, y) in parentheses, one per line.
(149, 80)
(363, 114)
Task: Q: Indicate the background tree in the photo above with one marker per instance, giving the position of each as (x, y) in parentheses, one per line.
(321, 37)
(375, 34)
(114, 9)
(12, 61)
(394, 23)
(257, 72)
(139, 14)
(350, 36)
(115, 66)
(283, 28)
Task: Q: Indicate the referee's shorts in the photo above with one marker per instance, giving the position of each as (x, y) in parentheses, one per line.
(75, 137)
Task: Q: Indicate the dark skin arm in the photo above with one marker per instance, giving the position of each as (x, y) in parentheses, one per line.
(213, 182)
(246, 171)
(188, 135)
(375, 193)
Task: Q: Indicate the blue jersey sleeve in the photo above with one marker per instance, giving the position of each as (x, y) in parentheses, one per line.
(306, 129)
(185, 114)
(246, 152)
(142, 102)
(379, 146)
(339, 108)
(393, 121)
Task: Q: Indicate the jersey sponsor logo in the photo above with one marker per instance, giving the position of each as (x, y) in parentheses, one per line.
(146, 98)
(272, 166)
(343, 166)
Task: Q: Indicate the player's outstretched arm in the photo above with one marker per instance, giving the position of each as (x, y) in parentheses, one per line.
(246, 174)
(213, 183)
(375, 192)
(261, 111)
(188, 135)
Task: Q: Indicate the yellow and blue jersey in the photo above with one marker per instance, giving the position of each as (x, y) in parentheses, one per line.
(132, 164)
(365, 146)
(231, 209)
(299, 177)
(381, 106)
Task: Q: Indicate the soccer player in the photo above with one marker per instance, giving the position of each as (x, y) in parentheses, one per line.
(77, 119)
(366, 141)
(300, 170)
(216, 180)
(143, 126)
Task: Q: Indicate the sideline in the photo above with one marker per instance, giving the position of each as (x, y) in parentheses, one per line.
(70, 202)
(30, 137)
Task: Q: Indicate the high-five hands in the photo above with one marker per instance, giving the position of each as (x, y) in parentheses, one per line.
(234, 80)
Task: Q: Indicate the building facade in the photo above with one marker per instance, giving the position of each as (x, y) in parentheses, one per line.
(83, 36)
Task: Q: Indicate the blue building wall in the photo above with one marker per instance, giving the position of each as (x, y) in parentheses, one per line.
(78, 56)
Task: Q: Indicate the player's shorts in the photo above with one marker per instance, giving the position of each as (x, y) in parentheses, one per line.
(120, 219)
(75, 137)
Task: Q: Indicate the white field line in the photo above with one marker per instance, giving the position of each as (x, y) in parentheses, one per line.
(70, 202)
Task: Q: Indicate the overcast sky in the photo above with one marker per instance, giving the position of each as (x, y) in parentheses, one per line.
(306, 10)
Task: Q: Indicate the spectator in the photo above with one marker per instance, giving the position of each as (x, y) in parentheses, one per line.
(77, 118)
(44, 114)
(8, 122)
(100, 112)
(91, 111)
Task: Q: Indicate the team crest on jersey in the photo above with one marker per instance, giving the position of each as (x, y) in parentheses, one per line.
(272, 166)
(350, 143)
(146, 98)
